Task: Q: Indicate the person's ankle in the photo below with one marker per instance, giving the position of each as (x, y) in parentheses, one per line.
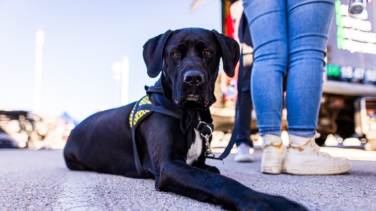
(299, 141)
(271, 140)
(273, 154)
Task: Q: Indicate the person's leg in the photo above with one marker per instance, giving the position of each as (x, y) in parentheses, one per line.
(243, 140)
(308, 23)
(245, 109)
(245, 120)
(267, 24)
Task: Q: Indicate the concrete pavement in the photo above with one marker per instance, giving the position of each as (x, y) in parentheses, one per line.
(39, 180)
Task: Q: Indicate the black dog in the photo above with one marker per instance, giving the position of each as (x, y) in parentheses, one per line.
(158, 136)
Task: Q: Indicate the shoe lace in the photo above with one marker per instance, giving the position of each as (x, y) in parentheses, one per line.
(316, 148)
(277, 145)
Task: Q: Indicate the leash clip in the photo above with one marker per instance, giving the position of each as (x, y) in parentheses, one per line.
(208, 153)
(202, 126)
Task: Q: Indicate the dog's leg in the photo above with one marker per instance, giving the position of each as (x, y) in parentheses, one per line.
(200, 163)
(205, 186)
(205, 167)
(168, 152)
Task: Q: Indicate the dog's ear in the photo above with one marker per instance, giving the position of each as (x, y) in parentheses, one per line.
(153, 53)
(230, 52)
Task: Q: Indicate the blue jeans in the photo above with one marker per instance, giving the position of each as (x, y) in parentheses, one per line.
(245, 107)
(289, 37)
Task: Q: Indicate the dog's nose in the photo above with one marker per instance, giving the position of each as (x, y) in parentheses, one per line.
(193, 77)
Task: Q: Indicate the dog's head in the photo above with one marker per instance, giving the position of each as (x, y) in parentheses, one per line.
(189, 61)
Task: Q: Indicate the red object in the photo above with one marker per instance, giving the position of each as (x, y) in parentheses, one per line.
(229, 26)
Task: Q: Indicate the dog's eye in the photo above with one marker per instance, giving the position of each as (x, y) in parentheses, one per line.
(207, 53)
(176, 53)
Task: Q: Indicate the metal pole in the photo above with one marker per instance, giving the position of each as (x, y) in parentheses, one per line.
(39, 44)
(125, 81)
(116, 69)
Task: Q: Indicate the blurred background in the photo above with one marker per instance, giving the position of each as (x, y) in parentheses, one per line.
(69, 58)
(81, 41)
(63, 60)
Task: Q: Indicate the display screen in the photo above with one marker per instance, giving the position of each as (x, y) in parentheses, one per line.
(351, 50)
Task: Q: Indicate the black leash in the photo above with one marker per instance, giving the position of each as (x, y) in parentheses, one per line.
(238, 115)
(244, 38)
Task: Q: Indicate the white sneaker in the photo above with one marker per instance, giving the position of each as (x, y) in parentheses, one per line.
(273, 154)
(243, 154)
(304, 157)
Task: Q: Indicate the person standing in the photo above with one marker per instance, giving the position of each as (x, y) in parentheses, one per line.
(289, 38)
(241, 34)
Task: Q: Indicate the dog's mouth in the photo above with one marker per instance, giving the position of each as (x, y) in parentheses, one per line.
(192, 97)
(193, 102)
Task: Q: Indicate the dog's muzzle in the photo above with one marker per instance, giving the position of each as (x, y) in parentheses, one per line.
(193, 78)
(193, 87)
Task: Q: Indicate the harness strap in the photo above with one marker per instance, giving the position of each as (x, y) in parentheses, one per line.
(133, 124)
(162, 110)
(141, 110)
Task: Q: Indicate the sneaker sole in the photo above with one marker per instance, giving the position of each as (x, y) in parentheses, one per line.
(271, 168)
(243, 160)
(300, 169)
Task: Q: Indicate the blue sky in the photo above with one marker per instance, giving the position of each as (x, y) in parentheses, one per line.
(83, 38)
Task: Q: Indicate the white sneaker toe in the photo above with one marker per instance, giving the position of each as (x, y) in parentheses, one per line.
(244, 154)
(304, 158)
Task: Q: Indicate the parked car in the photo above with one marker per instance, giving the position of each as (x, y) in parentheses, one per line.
(6, 141)
(21, 127)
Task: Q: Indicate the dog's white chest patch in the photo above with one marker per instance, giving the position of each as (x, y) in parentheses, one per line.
(195, 151)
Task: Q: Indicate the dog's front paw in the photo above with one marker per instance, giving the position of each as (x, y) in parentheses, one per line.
(267, 202)
(205, 167)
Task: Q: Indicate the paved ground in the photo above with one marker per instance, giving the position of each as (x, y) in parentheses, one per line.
(39, 180)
